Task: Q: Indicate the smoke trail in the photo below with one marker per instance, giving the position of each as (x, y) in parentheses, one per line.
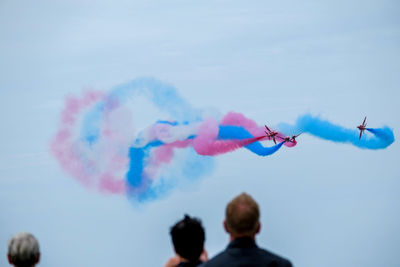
(69, 150)
(237, 119)
(210, 140)
(98, 143)
(104, 153)
(324, 129)
(235, 132)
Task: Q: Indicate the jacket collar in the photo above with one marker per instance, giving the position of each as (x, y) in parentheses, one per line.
(243, 242)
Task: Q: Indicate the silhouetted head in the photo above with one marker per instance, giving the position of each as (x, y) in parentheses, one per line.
(23, 250)
(242, 217)
(188, 238)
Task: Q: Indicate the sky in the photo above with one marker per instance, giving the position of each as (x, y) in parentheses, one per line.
(322, 203)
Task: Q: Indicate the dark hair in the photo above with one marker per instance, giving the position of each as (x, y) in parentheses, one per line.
(188, 238)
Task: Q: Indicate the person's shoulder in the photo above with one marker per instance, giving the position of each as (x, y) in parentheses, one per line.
(259, 256)
(217, 260)
(281, 261)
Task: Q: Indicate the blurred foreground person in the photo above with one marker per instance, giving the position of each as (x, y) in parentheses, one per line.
(188, 239)
(23, 250)
(242, 224)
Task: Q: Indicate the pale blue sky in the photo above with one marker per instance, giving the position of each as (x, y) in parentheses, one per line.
(323, 204)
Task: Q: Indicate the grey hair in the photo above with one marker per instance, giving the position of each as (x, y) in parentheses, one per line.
(23, 249)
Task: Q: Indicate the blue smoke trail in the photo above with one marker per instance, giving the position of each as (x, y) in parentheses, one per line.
(229, 132)
(151, 167)
(166, 99)
(162, 95)
(381, 138)
(192, 169)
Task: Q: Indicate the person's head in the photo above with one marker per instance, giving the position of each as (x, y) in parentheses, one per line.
(242, 217)
(23, 250)
(188, 238)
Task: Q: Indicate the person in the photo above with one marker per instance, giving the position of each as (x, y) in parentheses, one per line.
(23, 250)
(242, 223)
(188, 240)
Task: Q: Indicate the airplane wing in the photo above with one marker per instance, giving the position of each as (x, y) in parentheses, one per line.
(267, 128)
(364, 120)
(360, 134)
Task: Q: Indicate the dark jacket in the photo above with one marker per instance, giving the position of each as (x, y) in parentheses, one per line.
(244, 252)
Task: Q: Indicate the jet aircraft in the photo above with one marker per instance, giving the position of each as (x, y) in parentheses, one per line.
(362, 127)
(289, 139)
(271, 134)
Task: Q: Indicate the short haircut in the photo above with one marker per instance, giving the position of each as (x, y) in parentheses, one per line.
(23, 249)
(188, 238)
(242, 215)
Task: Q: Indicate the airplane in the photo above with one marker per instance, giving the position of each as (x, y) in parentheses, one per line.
(286, 139)
(362, 127)
(295, 136)
(271, 134)
(290, 139)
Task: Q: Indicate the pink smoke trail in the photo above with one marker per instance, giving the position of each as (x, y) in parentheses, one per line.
(65, 147)
(163, 155)
(206, 142)
(238, 119)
